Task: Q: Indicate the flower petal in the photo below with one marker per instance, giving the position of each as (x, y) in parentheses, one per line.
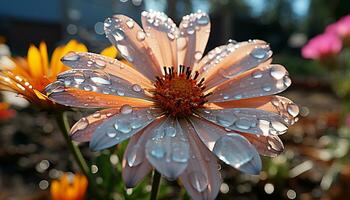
(230, 147)
(110, 66)
(276, 104)
(101, 82)
(129, 39)
(201, 178)
(247, 120)
(122, 126)
(194, 30)
(167, 148)
(225, 62)
(270, 145)
(83, 129)
(135, 164)
(86, 99)
(161, 34)
(261, 81)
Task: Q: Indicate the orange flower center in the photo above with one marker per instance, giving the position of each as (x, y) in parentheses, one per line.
(178, 93)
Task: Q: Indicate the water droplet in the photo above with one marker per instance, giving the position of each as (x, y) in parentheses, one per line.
(123, 127)
(130, 23)
(136, 88)
(267, 88)
(277, 73)
(259, 53)
(198, 55)
(97, 114)
(141, 36)
(171, 36)
(170, 131)
(71, 56)
(100, 63)
(79, 77)
(111, 134)
(101, 80)
(87, 88)
(158, 152)
(293, 110)
(126, 109)
(225, 121)
(119, 34)
(198, 181)
(82, 124)
(132, 156)
(278, 126)
(190, 30)
(203, 20)
(243, 123)
(286, 80)
(257, 74)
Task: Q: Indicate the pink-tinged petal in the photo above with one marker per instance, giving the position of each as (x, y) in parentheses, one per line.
(101, 82)
(232, 148)
(131, 42)
(84, 60)
(161, 34)
(270, 145)
(83, 129)
(247, 120)
(135, 165)
(276, 104)
(194, 34)
(167, 148)
(201, 178)
(264, 80)
(322, 46)
(225, 62)
(86, 99)
(122, 126)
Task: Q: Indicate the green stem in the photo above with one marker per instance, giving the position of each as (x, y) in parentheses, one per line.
(74, 149)
(155, 185)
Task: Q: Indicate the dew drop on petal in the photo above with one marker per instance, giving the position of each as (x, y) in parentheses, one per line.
(140, 36)
(257, 74)
(277, 73)
(79, 77)
(101, 80)
(170, 131)
(225, 121)
(181, 43)
(71, 56)
(243, 123)
(158, 152)
(278, 126)
(259, 53)
(267, 88)
(198, 181)
(132, 158)
(198, 55)
(97, 114)
(130, 23)
(203, 20)
(119, 34)
(111, 134)
(293, 110)
(286, 80)
(136, 88)
(100, 63)
(87, 88)
(126, 109)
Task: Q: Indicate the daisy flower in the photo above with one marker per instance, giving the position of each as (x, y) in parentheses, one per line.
(183, 113)
(69, 187)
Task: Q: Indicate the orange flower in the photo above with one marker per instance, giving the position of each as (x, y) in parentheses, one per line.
(5, 112)
(30, 76)
(69, 187)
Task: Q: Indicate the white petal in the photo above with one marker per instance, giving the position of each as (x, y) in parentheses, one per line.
(232, 148)
(161, 34)
(201, 178)
(261, 81)
(247, 120)
(225, 62)
(194, 34)
(122, 126)
(167, 149)
(109, 65)
(129, 39)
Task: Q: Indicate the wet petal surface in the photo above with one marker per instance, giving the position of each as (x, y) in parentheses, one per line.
(122, 126)
(167, 149)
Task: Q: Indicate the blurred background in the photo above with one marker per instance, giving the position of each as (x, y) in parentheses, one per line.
(315, 163)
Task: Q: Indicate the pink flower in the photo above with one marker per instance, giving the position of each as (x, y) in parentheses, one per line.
(182, 112)
(341, 28)
(322, 46)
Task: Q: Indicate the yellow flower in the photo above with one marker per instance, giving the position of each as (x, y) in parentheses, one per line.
(31, 75)
(69, 187)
